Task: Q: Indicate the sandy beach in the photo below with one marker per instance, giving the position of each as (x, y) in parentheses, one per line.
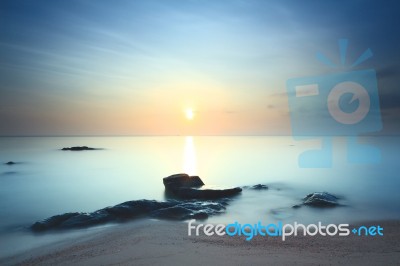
(150, 242)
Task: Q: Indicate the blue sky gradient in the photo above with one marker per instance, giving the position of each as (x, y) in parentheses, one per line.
(131, 67)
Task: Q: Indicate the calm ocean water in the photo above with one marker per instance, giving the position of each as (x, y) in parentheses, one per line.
(47, 181)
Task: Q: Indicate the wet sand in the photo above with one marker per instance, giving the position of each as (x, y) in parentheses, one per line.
(149, 242)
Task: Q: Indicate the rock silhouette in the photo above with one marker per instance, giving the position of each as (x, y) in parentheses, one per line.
(172, 209)
(259, 187)
(182, 180)
(188, 187)
(79, 148)
(320, 200)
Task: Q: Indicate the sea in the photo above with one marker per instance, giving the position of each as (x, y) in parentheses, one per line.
(47, 181)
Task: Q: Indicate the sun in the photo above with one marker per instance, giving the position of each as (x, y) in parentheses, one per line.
(189, 114)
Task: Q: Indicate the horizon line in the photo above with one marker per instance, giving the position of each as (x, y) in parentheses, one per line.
(194, 135)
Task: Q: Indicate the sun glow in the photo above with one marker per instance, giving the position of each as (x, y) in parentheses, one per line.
(189, 114)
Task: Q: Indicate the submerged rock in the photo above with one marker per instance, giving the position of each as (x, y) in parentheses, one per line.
(79, 148)
(187, 187)
(9, 173)
(172, 209)
(282, 213)
(320, 199)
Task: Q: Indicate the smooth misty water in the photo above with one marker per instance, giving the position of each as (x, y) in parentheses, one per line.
(48, 181)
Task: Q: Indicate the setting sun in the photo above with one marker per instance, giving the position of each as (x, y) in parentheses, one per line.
(189, 114)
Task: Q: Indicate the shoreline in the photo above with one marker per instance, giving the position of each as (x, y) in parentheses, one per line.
(155, 242)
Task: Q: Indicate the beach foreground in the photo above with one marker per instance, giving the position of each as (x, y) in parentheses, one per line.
(150, 242)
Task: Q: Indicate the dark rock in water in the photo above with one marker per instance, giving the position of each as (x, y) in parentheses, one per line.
(320, 199)
(182, 180)
(185, 187)
(192, 193)
(172, 209)
(190, 210)
(88, 219)
(11, 163)
(79, 148)
(53, 222)
(256, 187)
(137, 208)
(259, 187)
(9, 173)
(181, 185)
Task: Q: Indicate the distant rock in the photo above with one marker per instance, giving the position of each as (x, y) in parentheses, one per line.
(259, 187)
(79, 148)
(320, 200)
(256, 187)
(172, 209)
(11, 163)
(187, 187)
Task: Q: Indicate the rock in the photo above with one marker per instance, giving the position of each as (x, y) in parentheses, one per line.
(320, 199)
(182, 180)
(137, 208)
(11, 163)
(259, 187)
(186, 187)
(192, 193)
(53, 222)
(256, 187)
(79, 148)
(190, 210)
(88, 219)
(172, 209)
(180, 185)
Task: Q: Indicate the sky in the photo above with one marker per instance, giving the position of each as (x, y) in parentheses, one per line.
(98, 67)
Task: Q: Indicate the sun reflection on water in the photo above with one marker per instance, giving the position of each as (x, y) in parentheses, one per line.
(189, 156)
